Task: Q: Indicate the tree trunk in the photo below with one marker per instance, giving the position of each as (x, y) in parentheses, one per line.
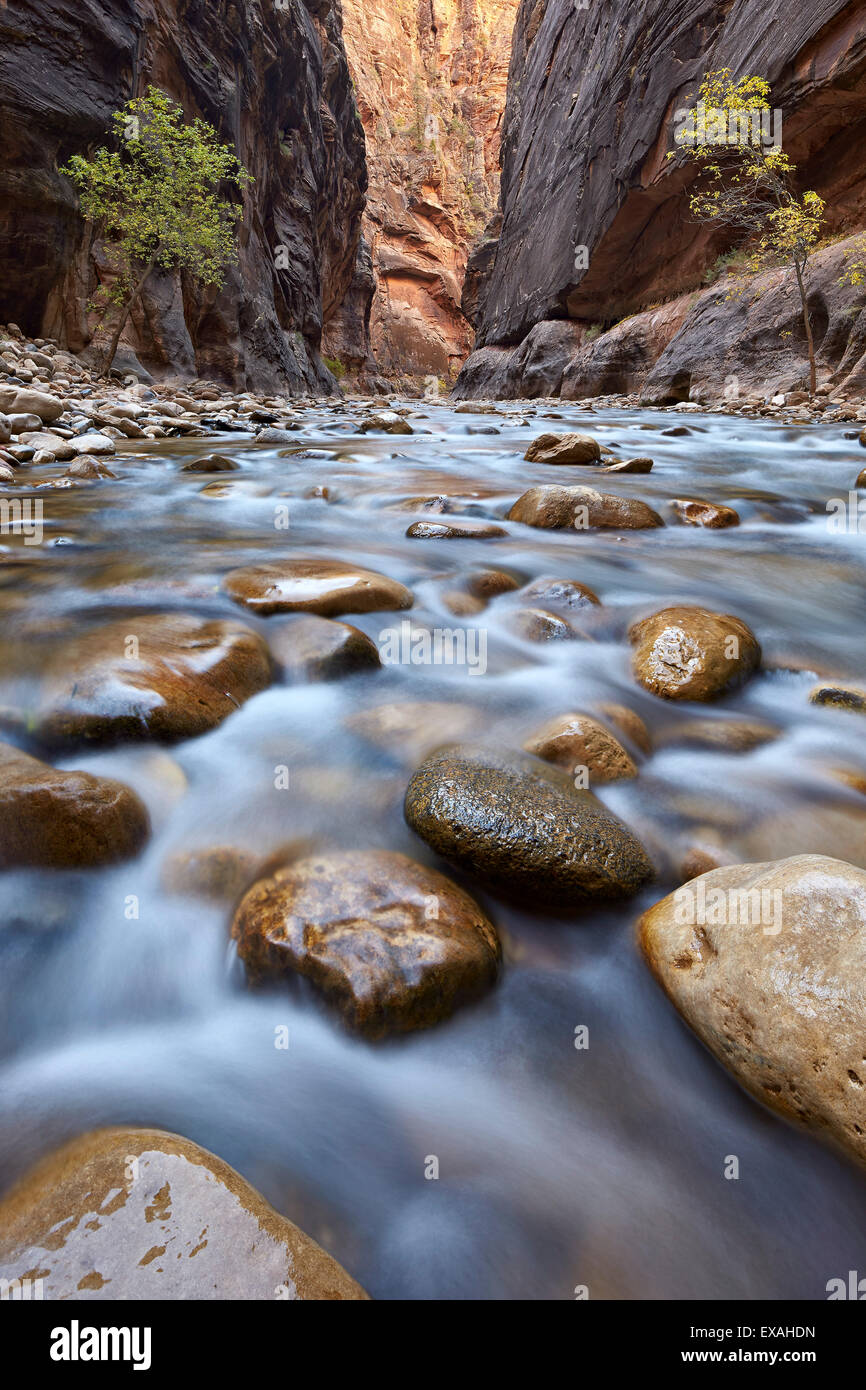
(813, 378)
(125, 312)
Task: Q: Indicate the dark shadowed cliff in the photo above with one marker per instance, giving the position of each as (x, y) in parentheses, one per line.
(271, 76)
(589, 120)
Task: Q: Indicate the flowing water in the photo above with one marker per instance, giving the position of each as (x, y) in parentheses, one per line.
(558, 1167)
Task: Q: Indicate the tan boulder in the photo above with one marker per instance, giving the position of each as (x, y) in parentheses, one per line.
(563, 448)
(688, 653)
(583, 508)
(140, 1214)
(694, 512)
(767, 963)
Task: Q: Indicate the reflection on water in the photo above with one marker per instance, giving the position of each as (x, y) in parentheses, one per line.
(601, 1167)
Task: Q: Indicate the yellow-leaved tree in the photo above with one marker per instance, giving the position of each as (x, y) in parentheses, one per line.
(746, 181)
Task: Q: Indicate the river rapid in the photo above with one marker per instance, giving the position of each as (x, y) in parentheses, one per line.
(559, 1168)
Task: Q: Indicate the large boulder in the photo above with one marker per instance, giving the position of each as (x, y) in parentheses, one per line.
(326, 587)
(139, 1214)
(563, 448)
(161, 676)
(391, 944)
(521, 826)
(58, 820)
(583, 508)
(691, 653)
(767, 963)
(22, 401)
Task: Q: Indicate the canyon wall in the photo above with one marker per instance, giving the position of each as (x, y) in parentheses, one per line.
(593, 91)
(271, 76)
(430, 82)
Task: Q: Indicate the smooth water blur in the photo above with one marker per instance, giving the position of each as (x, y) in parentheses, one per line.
(558, 1167)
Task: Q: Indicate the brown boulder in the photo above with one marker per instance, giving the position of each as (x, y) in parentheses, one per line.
(563, 448)
(841, 696)
(767, 963)
(573, 741)
(327, 587)
(694, 512)
(184, 676)
(455, 530)
(555, 508)
(692, 654)
(55, 819)
(210, 463)
(392, 944)
(140, 1214)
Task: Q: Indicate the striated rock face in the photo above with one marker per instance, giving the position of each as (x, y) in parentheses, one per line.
(590, 118)
(271, 76)
(430, 78)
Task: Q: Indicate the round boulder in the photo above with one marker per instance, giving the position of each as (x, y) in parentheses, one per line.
(573, 741)
(522, 827)
(391, 944)
(326, 587)
(563, 448)
(160, 676)
(61, 820)
(691, 653)
(767, 963)
(139, 1214)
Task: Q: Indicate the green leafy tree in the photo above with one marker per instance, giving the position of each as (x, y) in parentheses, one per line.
(746, 183)
(160, 200)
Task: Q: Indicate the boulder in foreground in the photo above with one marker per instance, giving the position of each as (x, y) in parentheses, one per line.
(137, 1214)
(767, 963)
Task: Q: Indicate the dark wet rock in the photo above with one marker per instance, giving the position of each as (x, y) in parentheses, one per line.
(694, 512)
(327, 587)
(455, 530)
(392, 944)
(520, 826)
(210, 463)
(55, 819)
(563, 448)
(140, 1214)
(574, 741)
(861, 479)
(688, 653)
(767, 967)
(638, 465)
(555, 508)
(840, 695)
(186, 676)
(321, 649)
